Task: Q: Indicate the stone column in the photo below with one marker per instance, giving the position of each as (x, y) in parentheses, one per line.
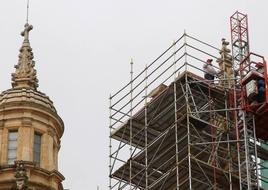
(56, 152)
(25, 140)
(47, 152)
(1, 137)
(4, 146)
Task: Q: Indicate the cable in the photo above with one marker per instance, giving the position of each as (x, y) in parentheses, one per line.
(27, 16)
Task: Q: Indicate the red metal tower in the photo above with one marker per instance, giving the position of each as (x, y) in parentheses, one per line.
(239, 37)
(250, 68)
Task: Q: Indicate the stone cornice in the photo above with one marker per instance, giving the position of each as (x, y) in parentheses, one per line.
(51, 132)
(26, 95)
(25, 120)
(33, 169)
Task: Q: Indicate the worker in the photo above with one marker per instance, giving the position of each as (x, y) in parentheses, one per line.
(261, 90)
(260, 68)
(209, 70)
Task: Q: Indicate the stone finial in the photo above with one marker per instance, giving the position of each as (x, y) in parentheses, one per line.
(21, 176)
(225, 64)
(25, 74)
(225, 53)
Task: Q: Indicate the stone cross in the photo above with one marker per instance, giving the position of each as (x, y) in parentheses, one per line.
(25, 33)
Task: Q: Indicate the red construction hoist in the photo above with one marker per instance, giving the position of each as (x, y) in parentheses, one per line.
(251, 97)
(252, 70)
(254, 92)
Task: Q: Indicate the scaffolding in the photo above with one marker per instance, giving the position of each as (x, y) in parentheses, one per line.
(172, 129)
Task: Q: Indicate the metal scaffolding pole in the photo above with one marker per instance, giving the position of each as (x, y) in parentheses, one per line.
(246, 139)
(146, 128)
(256, 155)
(176, 120)
(187, 111)
(110, 144)
(227, 116)
(130, 124)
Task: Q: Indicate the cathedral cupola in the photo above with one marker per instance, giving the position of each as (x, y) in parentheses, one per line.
(30, 130)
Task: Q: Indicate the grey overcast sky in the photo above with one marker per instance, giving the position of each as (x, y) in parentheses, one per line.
(82, 51)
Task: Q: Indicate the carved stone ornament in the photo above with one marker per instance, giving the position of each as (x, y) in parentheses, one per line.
(21, 176)
(225, 64)
(25, 74)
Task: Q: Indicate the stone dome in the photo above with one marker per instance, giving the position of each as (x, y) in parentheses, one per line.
(30, 99)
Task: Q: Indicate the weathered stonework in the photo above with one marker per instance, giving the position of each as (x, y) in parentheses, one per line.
(28, 111)
(226, 73)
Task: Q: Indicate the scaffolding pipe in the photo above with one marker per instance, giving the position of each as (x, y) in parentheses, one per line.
(187, 110)
(130, 124)
(176, 119)
(145, 130)
(110, 145)
(256, 153)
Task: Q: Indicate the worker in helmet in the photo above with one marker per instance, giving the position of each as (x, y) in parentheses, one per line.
(261, 90)
(260, 83)
(209, 70)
